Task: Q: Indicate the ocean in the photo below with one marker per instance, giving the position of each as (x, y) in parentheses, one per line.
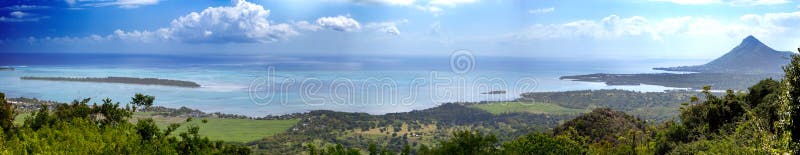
(281, 85)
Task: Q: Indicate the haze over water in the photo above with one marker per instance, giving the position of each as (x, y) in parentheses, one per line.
(250, 88)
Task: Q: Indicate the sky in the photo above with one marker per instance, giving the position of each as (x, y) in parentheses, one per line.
(563, 29)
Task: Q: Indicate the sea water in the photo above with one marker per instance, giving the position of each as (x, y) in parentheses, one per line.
(259, 89)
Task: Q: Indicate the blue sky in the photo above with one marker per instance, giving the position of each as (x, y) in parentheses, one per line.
(586, 29)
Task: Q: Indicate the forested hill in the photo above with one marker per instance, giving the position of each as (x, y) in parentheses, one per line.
(751, 56)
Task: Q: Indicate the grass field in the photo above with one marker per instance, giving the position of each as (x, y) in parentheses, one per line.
(227, 129)
(239, 130)
(20, 119)
(529, 107)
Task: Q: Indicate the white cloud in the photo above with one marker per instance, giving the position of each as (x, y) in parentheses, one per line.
(339, 23)
(305, 25)
(609, 27)
(387, 27)
(385, 2)
(128, 4)
(19, 16)
(770, 25)
(25, 7)
(244, 22)
(432, 6)
(757, 2)
(729, 2)
(432, 9)
(691, 2)
(70, 2)
(774, 23)
(542, 10)
(614, 26)
(450, 3)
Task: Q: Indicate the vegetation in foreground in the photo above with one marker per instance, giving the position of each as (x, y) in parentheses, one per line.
(80, 128)
(761, 121)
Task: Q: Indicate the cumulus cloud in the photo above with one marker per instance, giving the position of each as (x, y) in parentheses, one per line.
(542, 10)
(609, 27)
(451, 3)
(432, 9)
(387, 27)
(25, 7)
(19, 16)
(775, 23)
(432, 6)
(385, 2)
(613, 26)
(127, 4)
(729, 2)
(305, 25)
(244, 22)
(339, 23)
(123, 3)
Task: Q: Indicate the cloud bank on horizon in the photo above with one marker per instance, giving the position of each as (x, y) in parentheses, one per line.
(559, 29)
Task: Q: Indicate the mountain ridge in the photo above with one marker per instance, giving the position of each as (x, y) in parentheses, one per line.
(751, 56)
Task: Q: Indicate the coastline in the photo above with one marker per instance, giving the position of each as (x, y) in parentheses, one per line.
(123, 80)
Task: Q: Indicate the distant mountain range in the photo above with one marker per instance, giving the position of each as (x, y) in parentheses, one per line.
(750, 57)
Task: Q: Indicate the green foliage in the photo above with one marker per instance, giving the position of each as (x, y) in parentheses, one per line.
(538, 143)
(602, 124)
(712, 114)
(6, 115)
(141, 100)
(78, 128)
(791, 95)
(337, 149)
(467, 142)
(147, 129)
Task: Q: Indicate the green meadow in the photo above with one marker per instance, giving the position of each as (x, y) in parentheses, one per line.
(227, 129)
(527, 107)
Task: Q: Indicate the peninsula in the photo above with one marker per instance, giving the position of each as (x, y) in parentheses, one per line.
(743, 66)
(125, 80)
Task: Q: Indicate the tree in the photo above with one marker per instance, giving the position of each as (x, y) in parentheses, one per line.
(141, 100)
(467, 142)
(147, 129)
(373, 149)
(757, 93)
(406, 150)
(791, 97)
(111, 112)
(6, 115)
(538, 143)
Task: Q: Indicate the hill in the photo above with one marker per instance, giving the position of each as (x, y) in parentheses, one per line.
(751, 56)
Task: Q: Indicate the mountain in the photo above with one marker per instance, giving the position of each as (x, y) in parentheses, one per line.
(751, 57)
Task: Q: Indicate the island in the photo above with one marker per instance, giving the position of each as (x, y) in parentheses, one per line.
(6, 68)
(495, 92)
(125, 80)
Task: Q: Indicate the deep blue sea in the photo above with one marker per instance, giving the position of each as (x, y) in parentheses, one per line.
(258, 86)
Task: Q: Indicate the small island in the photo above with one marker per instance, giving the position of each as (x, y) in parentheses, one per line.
(495, 92)
(125, 80)
(6, 68)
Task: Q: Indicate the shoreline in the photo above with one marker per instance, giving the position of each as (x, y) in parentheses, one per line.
(122, 80)
(694, 81)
